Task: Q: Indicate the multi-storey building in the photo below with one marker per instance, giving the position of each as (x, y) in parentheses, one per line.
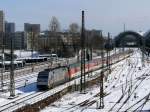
(9, 27)
(2, 25)
(32, 32)
(19, 40)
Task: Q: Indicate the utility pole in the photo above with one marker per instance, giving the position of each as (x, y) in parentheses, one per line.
(82, 80)
(115, 51)
(124, 27)
(109, 52)
(3, 62)
(32, 36)
(87, 55)
(143, 50)
(101, 105)
(32, 41)
(12, 82)
(108, 48)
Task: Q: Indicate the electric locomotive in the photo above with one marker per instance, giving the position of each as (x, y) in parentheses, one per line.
(56, 76)
(52, 77)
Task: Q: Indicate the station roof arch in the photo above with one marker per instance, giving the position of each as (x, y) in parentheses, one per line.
(147, 41)
(129, 39)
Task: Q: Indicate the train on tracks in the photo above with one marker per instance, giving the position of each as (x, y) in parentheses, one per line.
(50, 78)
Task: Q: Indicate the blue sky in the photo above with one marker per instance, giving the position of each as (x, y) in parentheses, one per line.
(107, 15)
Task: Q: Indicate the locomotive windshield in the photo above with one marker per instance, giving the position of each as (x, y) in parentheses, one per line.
(43, 75)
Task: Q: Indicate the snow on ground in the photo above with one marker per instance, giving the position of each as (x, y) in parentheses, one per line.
(25, 85)
(122, 79)
(126, 89)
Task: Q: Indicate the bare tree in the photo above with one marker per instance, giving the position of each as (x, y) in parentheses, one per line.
(54, 25)
(74, 28)
(54, 28)
(96, 41)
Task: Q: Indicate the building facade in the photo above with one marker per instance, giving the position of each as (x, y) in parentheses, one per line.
(19, 40)
(61, 43)
(32, 27)
(9, 27)
(2, 19)
(32, 32)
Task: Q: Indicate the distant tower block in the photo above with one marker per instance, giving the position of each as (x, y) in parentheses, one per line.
(2, 19)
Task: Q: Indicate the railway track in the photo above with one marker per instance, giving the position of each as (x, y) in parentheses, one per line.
(23, 100)
(88, 102)
(126, 100)
(83, 105)
(30, 69)
(25, 81)
(125, 90)
(19, 102)
(145, 99)
(140, 107)
(24, 71)
(131, 90)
